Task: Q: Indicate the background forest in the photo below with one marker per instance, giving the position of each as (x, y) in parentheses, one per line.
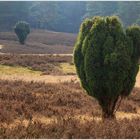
(64, 16)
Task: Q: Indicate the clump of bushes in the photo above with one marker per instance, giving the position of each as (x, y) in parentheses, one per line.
(22, 29)
(106, 59)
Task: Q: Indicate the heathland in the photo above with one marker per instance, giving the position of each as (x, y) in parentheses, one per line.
(41, 97)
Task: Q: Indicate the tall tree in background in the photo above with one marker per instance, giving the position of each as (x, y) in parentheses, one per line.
(43, 13)
(11, 12)
(129, 12)
(64, 16)
(103, 8)
(71, 16)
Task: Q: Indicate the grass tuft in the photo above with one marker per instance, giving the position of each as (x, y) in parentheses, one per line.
(68, 68)
(18, 70)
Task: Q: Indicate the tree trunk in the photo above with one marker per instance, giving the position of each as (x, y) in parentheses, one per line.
(108, 114)
(108, 110)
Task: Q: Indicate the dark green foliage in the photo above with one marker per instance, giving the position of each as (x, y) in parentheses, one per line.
(64, 16)
(22, 29)
(13, 11)
(106, 60)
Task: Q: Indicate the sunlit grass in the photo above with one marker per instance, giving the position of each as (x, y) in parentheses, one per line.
(67, 68)
(1, 46)
(13, 73)
(16, 70)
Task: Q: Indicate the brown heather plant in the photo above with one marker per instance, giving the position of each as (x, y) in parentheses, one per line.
(74, 129)
(39, 110)
(62, 110)
(38, 42)
(45, 63)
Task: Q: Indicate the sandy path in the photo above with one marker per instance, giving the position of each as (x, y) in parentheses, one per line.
(28, 54)
(1, 46)
(50, 78)
(41, 78)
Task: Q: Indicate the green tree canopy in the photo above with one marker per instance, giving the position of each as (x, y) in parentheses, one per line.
(106, 59)
(22, 29)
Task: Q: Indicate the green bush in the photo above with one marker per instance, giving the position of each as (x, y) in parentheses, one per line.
(106, 59)
(22, 29)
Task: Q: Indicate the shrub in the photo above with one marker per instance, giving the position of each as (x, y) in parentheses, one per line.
(106, 59)
(22, 29)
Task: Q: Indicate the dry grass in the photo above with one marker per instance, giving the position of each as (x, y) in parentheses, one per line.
(125, 129)
(60, 108)
(38, 41)
(28, 77)
(48, 64)
(63, 110)
(68, 68)
(39, 68)
(12, 70)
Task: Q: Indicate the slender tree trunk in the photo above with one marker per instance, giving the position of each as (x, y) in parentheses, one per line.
(108, 110)
(108, 114)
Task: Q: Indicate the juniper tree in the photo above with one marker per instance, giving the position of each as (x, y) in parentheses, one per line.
(22, 29)
(106, 59)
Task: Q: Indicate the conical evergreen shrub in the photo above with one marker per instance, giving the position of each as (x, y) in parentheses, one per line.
(106, 59)
(22, 29)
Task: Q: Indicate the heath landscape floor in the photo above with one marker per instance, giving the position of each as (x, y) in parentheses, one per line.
(41, 97)
(38, 41)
